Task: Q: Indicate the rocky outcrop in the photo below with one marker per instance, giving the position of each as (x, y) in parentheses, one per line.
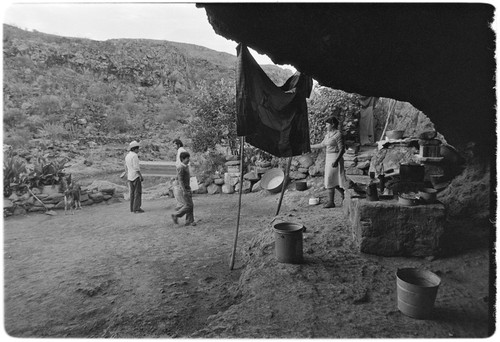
(438, 57)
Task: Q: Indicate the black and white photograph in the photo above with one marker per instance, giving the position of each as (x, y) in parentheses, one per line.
(249, 170)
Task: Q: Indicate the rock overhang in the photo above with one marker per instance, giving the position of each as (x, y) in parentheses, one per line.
(438, 57)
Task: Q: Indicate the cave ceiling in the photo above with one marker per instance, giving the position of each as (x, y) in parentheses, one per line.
(438, 57)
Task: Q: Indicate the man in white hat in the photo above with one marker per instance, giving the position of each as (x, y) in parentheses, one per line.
(134, 177)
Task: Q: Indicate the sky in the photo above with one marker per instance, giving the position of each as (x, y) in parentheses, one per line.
(172, 21)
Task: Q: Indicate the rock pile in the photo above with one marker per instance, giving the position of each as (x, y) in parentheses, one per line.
(49, 198)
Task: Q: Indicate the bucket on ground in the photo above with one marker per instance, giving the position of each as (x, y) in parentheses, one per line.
(301, 186)
(416, 290)
(288, 242)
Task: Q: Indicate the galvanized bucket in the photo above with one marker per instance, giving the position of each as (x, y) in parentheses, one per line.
(288, 242)
(417, 290)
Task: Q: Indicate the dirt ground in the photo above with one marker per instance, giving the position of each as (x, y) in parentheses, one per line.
(108, 273)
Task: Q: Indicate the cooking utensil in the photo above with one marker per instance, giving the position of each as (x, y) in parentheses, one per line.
(313, 201)
(394, 135)
(411, 172)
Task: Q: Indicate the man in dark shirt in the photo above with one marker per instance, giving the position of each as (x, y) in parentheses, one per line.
(183, 177)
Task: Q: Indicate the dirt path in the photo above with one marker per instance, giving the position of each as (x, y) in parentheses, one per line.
(105, 272)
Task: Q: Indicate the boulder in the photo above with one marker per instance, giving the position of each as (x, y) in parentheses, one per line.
(50, 189)
(232, 163)
(315, 171)
(19, 211)
(353, 170)
(87, 202)
(363, 165)
(36, 208)
(297, 175)
(108, 191)
(202, 189)
(256, 187)
(213, 189)
(101, 185)
(59, 205)
(233, 169)
(227, 189)
(247, 187)
(218, 181)
(53, 198)
(234, 180)
(96, 197)
(8, 204)
(305, 161)
(263, 164)
(231, 157)
(251, 176)
(14, 197)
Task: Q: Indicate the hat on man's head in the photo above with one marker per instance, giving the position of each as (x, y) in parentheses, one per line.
(133, 144)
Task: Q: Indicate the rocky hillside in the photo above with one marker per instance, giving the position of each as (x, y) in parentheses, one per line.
(105, 87)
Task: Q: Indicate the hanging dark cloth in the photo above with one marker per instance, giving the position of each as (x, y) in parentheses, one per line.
(271, 118)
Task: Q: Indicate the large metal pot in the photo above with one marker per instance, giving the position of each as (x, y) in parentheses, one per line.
(394, 135)
(411, 172)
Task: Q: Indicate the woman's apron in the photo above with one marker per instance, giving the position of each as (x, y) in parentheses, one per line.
(334, 176)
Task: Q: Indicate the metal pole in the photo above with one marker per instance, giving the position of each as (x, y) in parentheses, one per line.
(233, 254)
(283, 187)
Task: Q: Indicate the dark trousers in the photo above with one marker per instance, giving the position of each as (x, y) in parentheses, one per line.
(187, 206)
(135, 188)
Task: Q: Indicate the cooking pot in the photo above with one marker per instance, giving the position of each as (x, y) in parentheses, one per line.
(394, 135)
(428, 194)
(411, 172)
(301, 186)
(407, 199)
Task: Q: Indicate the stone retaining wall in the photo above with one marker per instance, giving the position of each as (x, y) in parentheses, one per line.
(50, 198)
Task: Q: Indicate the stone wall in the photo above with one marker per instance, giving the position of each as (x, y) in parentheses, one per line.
(50, 198)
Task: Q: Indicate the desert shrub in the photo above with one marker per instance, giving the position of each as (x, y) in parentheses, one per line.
(95, 154)
(18, 137)
(13, 117)
(73, 131)
(169, 111)
(116, 122)
(14, 173)
(49, 106)
(53, 131)
(155, 92)
(33, 123)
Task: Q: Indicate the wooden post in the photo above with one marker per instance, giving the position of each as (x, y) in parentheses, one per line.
(283, 187)
(233, 254)
(390, 110)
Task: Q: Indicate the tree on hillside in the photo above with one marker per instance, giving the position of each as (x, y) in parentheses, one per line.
(344, 106)
(214, 119)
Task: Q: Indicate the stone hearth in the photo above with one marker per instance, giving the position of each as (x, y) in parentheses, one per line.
(388, 228)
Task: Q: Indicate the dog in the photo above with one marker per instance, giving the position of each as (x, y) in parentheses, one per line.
(72, 194)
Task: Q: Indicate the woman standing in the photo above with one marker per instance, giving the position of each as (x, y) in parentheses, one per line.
(334, 163)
